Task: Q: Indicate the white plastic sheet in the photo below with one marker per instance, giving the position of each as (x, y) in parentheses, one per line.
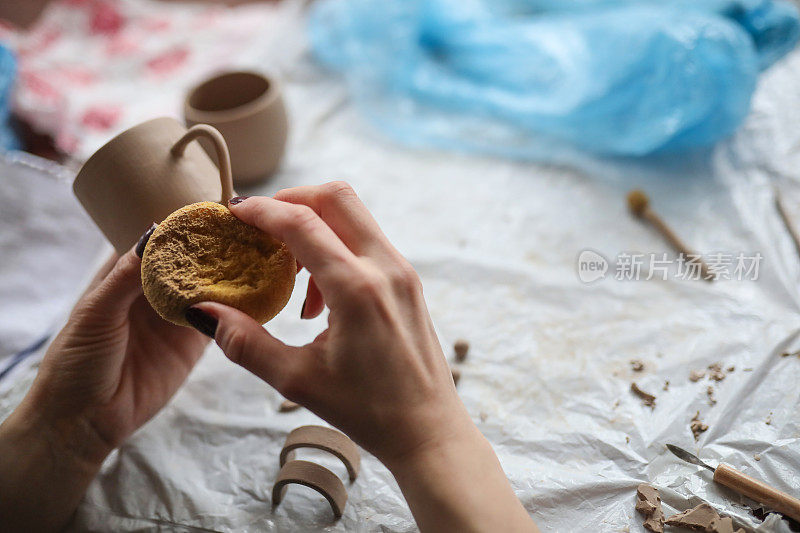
(47, 244)
(548, 375)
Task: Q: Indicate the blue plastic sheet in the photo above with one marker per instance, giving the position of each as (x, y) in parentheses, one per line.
(539, 79)
(8, 69)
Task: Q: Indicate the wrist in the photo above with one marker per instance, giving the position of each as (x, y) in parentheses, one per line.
(68, 440)
(456, 483)
(44, 469)
(446, 442)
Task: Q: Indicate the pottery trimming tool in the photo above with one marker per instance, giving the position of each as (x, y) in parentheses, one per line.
(745, 485)
(639, 205)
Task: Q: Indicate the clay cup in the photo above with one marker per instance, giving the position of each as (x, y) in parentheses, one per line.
(147, 172)
(248, 109)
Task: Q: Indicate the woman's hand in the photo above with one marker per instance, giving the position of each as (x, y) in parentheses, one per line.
(115, 364)
(377, 372)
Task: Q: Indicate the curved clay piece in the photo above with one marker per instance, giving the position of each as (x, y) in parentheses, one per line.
(314, 476)
(327, 439)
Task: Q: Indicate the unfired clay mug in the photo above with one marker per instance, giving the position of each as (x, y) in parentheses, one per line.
(247, 108)
(147, 172)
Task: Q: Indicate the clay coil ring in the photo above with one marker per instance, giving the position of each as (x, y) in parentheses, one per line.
(326, 439)
(314, 476)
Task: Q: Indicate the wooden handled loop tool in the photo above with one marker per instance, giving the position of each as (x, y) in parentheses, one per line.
(639, 205)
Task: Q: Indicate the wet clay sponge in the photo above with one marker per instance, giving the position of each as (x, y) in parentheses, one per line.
(202, 253)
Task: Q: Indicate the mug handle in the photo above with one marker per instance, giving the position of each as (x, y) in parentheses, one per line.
(223, 157)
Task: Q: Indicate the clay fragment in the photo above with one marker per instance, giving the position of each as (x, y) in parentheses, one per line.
(768, 421)
(697, 426)
(647, 399)
(637, 365)
(790, 354)
(698, 518)
(461, 347)
(723, 525)
(715, 372)
(666, 385)
(731, 368)
(287, 406)
(703, 518)
(710, 394)
(757, 457)
(697, 375)
(648, 503)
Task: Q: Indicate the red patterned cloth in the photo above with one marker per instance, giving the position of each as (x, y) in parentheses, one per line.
(91, 68)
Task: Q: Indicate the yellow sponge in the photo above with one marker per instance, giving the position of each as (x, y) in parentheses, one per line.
(202, 253)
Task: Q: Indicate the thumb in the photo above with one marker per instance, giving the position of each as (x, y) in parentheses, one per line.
(249, 345)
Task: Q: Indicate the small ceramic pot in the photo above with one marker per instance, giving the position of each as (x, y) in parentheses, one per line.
(147, 172)
(247, 108)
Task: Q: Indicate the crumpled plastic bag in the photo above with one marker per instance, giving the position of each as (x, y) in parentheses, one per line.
(539, 78)
(8, 70)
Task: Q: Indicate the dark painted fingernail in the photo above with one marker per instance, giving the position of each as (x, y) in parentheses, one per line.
(143, 240)
(202, 321)
(303, 309)
(237, 200)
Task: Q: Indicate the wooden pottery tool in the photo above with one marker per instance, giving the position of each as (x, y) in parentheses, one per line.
(248, 109)
(147, 172)
(639, 205)
(743, 484)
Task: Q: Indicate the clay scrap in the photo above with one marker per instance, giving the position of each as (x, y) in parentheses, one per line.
(648, 503)
(714, 372)
(710, 393)
(698, 518)
(637, 365)
(697, 426)
(287, 406)
(697, 375)
(647, 399)
(723, 525)
(461, 348)
(703, 518)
